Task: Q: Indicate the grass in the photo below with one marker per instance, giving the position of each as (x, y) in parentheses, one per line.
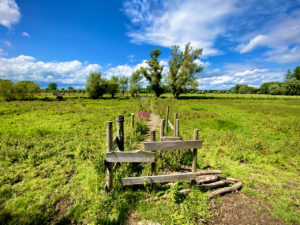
(51, 158)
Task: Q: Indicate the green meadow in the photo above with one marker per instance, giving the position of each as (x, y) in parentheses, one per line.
(51, 158)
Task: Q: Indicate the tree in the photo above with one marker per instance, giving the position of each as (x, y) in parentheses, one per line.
(135, 83)
(296, 73)
(52, 87)
(26, 89)
(153, 73)
(95, 85)
(113, 86)
(7, 90)
(182, 69)
(292, 86)
(265, 87)
(275, 89)
(245, 89)
(123, 84)
(288, 74)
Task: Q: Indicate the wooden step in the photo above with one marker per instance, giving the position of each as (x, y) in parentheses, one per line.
(138, 156)
(172, 145)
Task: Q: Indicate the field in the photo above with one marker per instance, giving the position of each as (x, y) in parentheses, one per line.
(51, 158)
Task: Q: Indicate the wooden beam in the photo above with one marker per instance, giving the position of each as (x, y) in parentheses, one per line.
(170, 138)
(158, 179)
(171, 145)
(139, 156)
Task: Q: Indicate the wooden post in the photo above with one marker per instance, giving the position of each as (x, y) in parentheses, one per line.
(152, 138)
(132, 120)
(162, 128)
(175, 118)
(177, 128)
(194, 164)
(120, 131)
(109, 169)
(167, 119)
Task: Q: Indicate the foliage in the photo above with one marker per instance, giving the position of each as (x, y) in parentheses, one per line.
(52, 86)
(113, 86)
(243, 89)
(26, 89)
(135, 83)
(123, 84)
(95, 85)
(7, 89)
(182, 69)
(292, 86)
(296, 73)
(153, 73)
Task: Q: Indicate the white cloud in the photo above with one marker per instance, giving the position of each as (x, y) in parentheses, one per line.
(25, 34)
(281, 37)
(9, 13)
(124, 70)
(179, 22)
(2, 52)
(7, 43)
(250, 72)
(28, 68)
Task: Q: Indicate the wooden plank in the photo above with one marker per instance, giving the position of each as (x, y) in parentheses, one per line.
(172, 145)
(139, 156)
(170, 138)
(158, 179)
(169, 122)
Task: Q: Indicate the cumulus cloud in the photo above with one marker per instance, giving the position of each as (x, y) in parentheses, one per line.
(280, 37)
(179, 21)
(28, 68)
(9, 13)
(25, 34)
(233, 74)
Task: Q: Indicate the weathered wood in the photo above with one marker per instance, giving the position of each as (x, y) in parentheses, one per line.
(171, 145)
(167, 118)
(162, 128)
(194, 163)
(139, 156)
(225, 190)
(172, 127)
(177, 128)
(158, 179)
(153, 165)
(109, 167)
(132, 120)
(120, 131)
(115, 143)
(217, 184)
(207, 172)
(206, 179)
(170, 138)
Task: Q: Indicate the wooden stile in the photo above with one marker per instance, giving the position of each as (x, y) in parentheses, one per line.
(171, 145)
(170, 138)
(139, 156)
(158, 179)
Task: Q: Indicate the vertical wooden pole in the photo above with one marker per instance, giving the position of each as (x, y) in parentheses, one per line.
(175, 118)
(152, 138)
(132, 120)
(162, 128)
(177, 128)
(109, 169)
(120, 131)
(194, 164)
(167, 119)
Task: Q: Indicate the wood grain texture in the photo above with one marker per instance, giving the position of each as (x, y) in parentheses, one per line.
(139, 156)
(158, 179)
(225, 190)
(170, 138)
(171, 145)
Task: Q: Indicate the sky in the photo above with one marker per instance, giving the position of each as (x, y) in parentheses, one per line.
(246, 42)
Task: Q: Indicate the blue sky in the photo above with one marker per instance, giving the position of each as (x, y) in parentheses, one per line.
(246, 42)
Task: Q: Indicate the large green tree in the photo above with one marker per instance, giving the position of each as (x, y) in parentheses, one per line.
(26, 89)
(136, 82)
(52, 86)
(113, 86)
(296, 73)
(123, 84)
(153, 73)
(7, 90)
(182, 69)
(95, 85)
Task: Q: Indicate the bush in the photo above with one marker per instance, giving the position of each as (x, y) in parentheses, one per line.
(7, 90)
(95, 85)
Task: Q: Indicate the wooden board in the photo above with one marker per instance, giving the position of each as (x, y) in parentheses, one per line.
(139, 156)
(171, 145)
(170, 139)
(158, 179)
